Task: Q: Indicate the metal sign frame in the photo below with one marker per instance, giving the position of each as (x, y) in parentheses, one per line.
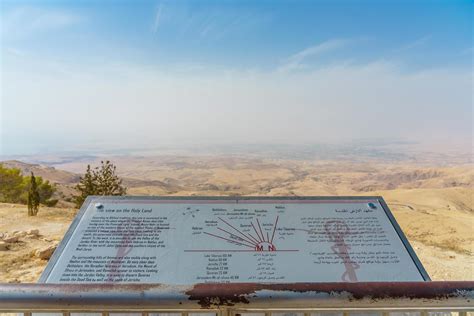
(103, 199)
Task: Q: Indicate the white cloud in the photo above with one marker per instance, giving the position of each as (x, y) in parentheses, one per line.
(156, 21)
(295, 61)
(24, 21)
(416, 43)
(211, 23)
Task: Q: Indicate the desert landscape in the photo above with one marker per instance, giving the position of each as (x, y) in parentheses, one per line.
(431, 198)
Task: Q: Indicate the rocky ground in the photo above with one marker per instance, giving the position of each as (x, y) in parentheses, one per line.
(26, 243)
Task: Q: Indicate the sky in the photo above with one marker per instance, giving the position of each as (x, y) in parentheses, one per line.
(118, 74)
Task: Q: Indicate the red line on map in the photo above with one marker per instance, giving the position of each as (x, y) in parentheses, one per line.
(258, 241)
(274, 229)
(253, 238)
(234, 241)
(260, 228)
(233, 227)
(245, 240)
(256, 232)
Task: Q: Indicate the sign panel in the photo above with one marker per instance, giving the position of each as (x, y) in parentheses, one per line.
(222, 240)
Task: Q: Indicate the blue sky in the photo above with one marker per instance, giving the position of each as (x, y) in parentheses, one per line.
(251, 34)
(307, 65)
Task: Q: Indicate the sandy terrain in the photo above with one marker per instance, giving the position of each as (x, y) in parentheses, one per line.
(18, 264)
(433, 204)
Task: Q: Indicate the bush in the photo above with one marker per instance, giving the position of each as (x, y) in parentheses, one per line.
(11, 185)
(14, 187)
(45, 189)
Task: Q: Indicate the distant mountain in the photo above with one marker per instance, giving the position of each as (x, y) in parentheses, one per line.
(48, 173)
(65, 180)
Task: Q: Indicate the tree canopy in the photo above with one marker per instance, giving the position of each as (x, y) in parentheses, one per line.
(14, 187)
(99, 181)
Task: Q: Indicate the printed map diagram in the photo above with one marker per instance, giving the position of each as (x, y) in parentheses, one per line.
(228, 241)
(258, 240)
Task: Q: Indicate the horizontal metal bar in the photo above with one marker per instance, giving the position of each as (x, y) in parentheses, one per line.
(237, 312)
(350, 312)
(28, 312)
(198, 297)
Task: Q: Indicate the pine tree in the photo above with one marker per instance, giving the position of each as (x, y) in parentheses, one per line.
(100, 181)
(87, 186)
(108, 183)
(33, 197)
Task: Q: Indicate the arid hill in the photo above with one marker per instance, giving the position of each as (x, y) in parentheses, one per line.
(49, 173)
(205, 175)
(433, 204)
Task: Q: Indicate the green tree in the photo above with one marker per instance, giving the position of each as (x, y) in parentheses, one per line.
(45, 189)
(33, 197)
(11, 185)
(87, 186)
(15, 188)
(108, 183)
(100, 181)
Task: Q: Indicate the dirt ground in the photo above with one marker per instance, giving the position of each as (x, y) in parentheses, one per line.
(438, 223)
(18, 264)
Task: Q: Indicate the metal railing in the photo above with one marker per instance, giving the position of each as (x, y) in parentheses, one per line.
(242, 299)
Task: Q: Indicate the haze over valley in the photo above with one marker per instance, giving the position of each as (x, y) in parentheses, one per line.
(430, 193)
